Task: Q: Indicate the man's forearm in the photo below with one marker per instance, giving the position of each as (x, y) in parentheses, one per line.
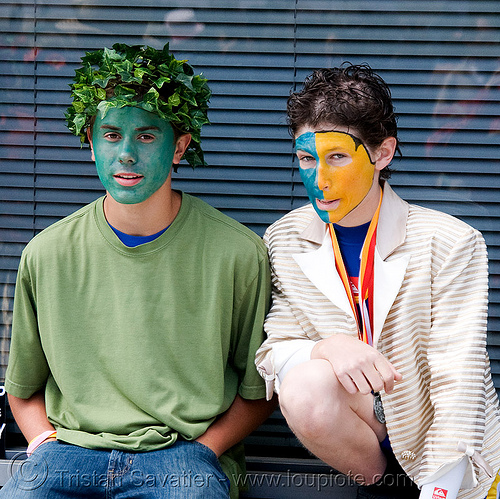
(236, 423)
(30, 415)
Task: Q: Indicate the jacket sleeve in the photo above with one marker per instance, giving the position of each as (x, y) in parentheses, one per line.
(286, 339)
(457, 357)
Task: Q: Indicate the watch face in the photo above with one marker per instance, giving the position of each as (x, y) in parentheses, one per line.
(378, 408)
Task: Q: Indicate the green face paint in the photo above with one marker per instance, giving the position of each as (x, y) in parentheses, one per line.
(133, 152)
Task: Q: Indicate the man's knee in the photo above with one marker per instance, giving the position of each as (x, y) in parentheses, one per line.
(310, 397)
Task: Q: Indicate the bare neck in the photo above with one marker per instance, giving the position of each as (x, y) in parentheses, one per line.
(146, 218)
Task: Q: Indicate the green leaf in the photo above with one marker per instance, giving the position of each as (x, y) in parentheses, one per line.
(101, 93)
(79, 106)
(86, 94)
(140, 72)
(148, 107)
(124, 91)
(102, 82)
(174, 99)
(92, 58)
(79, 122)
(152, 96)
(161, 81)
(104, 106)
(185, 79)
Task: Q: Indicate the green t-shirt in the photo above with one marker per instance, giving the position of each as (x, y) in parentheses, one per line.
(138, 345)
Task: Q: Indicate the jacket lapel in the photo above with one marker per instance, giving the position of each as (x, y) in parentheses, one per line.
(389, 274)
(319, 267)
(318, 264)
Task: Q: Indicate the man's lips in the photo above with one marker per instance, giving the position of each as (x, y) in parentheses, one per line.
(327, 204)
(128, 179)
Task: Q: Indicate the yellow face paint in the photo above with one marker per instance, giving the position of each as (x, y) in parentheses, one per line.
(336, 170)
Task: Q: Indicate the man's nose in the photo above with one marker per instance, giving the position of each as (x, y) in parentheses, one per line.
(324, 178)
(127, 153)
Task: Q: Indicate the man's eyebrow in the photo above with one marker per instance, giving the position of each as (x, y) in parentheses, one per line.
(109, 127)
(139, 129)
(144, 128)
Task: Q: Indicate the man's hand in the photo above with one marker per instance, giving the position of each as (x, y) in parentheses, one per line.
(358, 366)
(30, 415)
(236, 423)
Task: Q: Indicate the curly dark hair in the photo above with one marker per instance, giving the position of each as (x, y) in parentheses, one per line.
(351, 96)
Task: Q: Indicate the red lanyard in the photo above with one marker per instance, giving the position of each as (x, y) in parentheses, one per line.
(366, 275)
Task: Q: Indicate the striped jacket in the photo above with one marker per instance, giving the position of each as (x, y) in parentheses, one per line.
(430, 313)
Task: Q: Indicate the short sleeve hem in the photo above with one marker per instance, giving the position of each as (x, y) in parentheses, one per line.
(21, 391)
(252, 392)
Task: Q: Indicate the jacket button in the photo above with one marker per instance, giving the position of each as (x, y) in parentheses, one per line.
(408, 455)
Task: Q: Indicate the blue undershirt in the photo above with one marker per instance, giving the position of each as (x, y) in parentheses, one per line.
(133, 241)
(351, 241)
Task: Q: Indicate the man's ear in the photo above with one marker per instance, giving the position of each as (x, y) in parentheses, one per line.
(180, 147)
(385, 153)
(89, 136)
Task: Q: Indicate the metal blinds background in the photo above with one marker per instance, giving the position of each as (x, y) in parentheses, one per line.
(441, 58)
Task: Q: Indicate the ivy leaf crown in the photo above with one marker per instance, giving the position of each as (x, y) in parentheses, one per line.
(141, 76)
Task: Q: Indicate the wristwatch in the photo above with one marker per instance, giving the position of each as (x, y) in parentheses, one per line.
(378, 408)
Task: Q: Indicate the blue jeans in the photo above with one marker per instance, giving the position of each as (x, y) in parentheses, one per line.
(57, 470)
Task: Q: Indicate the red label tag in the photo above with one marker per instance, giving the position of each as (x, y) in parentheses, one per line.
(439, 493)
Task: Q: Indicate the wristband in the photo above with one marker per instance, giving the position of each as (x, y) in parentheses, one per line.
(40, 439)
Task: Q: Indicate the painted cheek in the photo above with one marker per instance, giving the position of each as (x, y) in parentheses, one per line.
(103, 163)
(309, 179)
(353, 184)
(156, 163)
(309, 176)
(349, 183)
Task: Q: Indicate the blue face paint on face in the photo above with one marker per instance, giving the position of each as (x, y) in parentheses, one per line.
(133, 151)
(336, 170)
(307, 143)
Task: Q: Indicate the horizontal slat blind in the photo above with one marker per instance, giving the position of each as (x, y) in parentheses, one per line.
(17, 153)
(441, 58)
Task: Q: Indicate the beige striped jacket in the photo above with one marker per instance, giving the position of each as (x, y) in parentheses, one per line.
(430, 314)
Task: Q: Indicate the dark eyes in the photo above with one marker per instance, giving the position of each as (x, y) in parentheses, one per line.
(307, 162)
(115, 137)
(146, 137)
